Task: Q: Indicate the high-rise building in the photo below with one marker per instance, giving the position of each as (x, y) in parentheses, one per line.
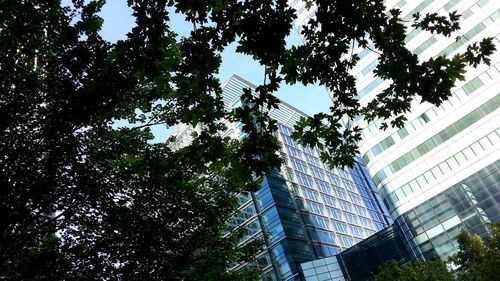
(440, 173)
(305, 210)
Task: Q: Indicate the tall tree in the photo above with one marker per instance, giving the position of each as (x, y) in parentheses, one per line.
(478, 259)
(82, 199)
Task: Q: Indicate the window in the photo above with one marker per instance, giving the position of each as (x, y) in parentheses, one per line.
(335, 213)
(366, 223)
(369, 205)
(323, 186)
(299, 165)
(304, 180)
(346, 241)
(350, 218)
(312, 160)
(294, 152)
(310, 194)
(412, 35)
(326, 237)
(315, 207)
(251, 229)
(361, 211)
(368, 69)
(439, 170)
(345, 205)
(264, 261)
(364, 192)
(326, 167)
(366, 51)
(420, 49)
(358, 179)
(349, 185)
(340, 193)
(340, 226)
(355, 198)
(285, 130)
(376, 216)
(317, 173)
(320, 221)
(356, 231)
(343, 173)
(308, 150)
(437, 139)
(369, 232)
(244, 198)
(288, 140)
(363, 92)
(329, 201)
(334, 179)
(378, 226)
(329, 250)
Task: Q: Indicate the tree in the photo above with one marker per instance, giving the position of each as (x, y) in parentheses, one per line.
(414, 271)
(478, 258)
(83, 199)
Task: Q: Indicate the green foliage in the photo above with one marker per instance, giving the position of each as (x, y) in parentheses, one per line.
(82, 199)
(327, 58)
(478, 259)
(436, 23)
(434, 270)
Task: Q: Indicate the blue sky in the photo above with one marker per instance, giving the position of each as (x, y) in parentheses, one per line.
(311, 99)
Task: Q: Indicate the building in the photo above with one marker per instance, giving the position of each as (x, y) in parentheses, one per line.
(304, 211)
(440, 173)
(360, 261)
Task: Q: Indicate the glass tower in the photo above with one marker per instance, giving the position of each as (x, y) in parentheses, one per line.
(440, 172)
(304, 210)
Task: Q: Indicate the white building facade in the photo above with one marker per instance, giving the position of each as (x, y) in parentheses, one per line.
(441, 172)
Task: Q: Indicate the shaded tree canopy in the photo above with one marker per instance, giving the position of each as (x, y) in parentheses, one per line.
(434, 270)
(478, 259)
(83, 199)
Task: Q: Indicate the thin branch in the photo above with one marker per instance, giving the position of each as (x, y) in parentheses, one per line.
(149, 124)
(352, 50)
(368, 47)
(51, 220)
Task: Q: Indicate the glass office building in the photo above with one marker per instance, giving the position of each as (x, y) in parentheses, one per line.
(433, 225)
(361, 261)
(305, 210)
(440, 172)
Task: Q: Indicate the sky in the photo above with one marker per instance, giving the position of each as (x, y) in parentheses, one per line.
(311, 99)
